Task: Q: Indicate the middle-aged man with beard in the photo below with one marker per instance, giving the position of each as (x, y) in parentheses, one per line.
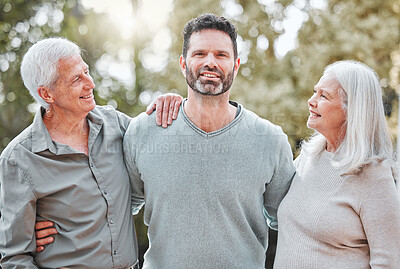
(212, 180)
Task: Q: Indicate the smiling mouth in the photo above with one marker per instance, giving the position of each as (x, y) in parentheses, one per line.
(315, 114)
(87, 96)
(209, 75)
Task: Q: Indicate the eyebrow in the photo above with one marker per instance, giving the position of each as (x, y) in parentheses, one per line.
(78, 74)
(223, 51)
(324, 91)
(202, 50)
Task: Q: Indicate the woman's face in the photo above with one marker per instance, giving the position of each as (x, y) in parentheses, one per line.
(327, 115)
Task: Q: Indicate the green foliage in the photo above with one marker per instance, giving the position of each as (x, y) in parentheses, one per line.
(22, 24)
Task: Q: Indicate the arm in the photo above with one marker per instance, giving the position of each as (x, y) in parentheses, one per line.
(137, 186)
(18, 209)
(167, 108)
(279, 185)
(380, 216)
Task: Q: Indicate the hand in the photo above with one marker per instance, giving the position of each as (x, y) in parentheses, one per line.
(167, 108)
(43, 230)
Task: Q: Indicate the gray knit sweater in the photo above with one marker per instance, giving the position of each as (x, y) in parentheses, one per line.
(332, 221)
(205, 193)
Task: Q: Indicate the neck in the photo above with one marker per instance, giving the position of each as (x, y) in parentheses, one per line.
(68, 130)
(209, 113)
(333, 143)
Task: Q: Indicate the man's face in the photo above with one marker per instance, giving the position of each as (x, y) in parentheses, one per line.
(209, 66)
(73, 90)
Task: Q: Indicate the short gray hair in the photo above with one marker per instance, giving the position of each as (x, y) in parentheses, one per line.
(367, 135)
(40, 63)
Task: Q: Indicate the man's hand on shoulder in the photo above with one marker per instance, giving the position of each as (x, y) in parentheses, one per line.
(43, 230)
(167, 108)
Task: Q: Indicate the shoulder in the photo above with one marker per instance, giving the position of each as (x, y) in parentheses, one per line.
(141, 121)
(104, 111)
(267, 133)
(375, 178)
(377, 170)
(261, 126)
(109, 115)
(141, 126)
(23, 140)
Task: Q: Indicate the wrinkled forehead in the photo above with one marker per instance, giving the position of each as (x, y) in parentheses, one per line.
(71, 66)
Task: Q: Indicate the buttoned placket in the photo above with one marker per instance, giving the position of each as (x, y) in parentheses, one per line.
(93, 134)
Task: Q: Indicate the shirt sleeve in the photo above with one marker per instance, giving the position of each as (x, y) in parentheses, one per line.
(380, 215)
(123, 120)
(18, 211)
(279, 185)
(137, 186)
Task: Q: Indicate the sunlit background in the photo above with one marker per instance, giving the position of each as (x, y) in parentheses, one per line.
(133, 46)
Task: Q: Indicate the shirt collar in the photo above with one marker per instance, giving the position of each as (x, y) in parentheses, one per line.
(41, 139)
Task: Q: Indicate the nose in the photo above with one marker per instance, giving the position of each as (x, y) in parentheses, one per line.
(210, 61)
(89, 83)
(312, 102)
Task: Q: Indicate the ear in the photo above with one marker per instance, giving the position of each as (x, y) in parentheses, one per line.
(46, 94)
(236, 68)
(182, 64)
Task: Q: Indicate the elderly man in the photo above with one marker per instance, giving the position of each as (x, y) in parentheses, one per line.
(214, 178)
(66, 167)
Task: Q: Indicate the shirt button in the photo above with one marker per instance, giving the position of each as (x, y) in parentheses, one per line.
(115, 252)
(105, 192)
(91, 164)
(111, 221)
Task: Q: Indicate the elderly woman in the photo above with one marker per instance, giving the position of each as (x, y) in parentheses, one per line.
(342, 210)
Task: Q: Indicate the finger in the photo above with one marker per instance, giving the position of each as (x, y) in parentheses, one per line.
(39, 249)
(44, 241)
(150, 108)
(43, 224)
(170, 112)
(46, 232)
(178, 103)
(159, 110)
(164, 119)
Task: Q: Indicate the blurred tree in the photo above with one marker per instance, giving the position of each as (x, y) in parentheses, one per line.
(367, 31)
(22, 23)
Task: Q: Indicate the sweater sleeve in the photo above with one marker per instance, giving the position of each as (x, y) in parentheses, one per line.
(137, 186)
(380, 215)
(279, 185)
(18, 215)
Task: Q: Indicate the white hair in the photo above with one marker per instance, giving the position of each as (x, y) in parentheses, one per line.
(367, 136)
(40, 63)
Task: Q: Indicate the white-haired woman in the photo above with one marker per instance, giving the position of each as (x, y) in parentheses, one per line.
(342, 210)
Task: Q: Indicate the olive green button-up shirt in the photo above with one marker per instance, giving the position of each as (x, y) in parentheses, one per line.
(87, 197)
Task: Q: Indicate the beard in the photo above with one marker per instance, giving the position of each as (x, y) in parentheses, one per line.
(208, 87)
